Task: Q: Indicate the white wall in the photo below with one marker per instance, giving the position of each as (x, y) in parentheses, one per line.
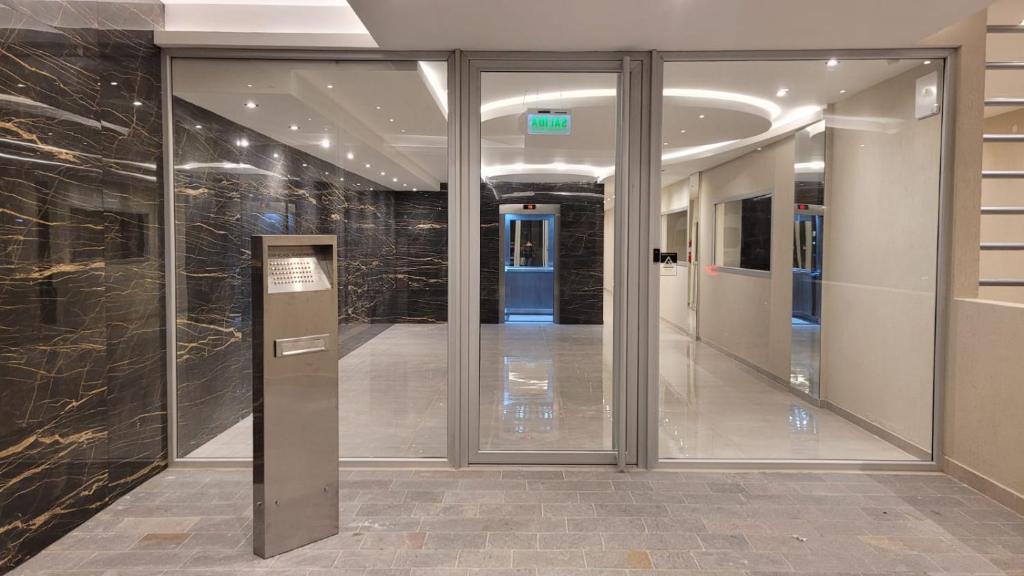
(675, 289)
(750, 315)
(878, 301)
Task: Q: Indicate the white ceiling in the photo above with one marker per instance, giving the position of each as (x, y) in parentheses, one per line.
(657, 24)
(406, 137)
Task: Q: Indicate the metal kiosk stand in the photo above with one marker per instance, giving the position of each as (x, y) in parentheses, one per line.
(294, 391)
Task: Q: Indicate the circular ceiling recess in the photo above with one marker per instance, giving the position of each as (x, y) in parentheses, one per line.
(683, 125)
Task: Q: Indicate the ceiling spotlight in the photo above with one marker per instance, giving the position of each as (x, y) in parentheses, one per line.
(242, 142)
(276, 155)
(367, 164)
(248, 85)
(325, 143)
(413, 189)
(383, 173)
(842, 91)
(350, 156)
(927, 62)
(342, 178)
(701, 116)
(832, 63)
(664, 143)
(199, 126)
(403, 130)
(250, 104)
(782, 92)
(113, 83)
(137, 103)
(404, 185)
(394, 179)
(293, 127)
(391, 119)
(304, 164)
(327, 173)
(682, 131)
(378, 107)
(330, 86)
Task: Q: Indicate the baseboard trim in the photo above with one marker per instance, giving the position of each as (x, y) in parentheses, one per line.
(773, 379)
(987, 486)
(890, 437)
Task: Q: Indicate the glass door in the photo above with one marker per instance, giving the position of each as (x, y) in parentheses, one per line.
(546, 147)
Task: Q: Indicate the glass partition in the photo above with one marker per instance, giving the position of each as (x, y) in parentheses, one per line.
(357, 150)
(805, 325)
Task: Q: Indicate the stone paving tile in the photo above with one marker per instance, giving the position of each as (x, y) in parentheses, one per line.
(560, 522)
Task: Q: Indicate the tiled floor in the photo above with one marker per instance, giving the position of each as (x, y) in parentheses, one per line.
(549, 387)
(560, 522)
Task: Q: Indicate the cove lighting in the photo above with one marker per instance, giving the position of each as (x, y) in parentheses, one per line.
(596, 172)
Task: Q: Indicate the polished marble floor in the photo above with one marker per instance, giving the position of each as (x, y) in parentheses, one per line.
(549, 387)
(559, 522)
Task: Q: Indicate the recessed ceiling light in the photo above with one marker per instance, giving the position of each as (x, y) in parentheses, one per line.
(242, 142)
(248, 85)
(701, 116)
(832, 63)
(276, 155)
(378, 107)
(327, 173)
(293, 127)
(664, 143)
(350, 156)
(383, 173)
(413, 189)
(927, 62)
(325, 143)
(137, 103)
(342, 178)
(842, 91)
(304, 164)
(367, 164)
(391, 119)
(199, 126)
(782, 92)
(113, 82)
(403, 130)
(330, 86)
(394, 179)
(250, 104)
(359, 183)
(682, 131)
(404, 185)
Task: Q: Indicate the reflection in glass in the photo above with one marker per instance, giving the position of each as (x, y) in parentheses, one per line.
(743, 233)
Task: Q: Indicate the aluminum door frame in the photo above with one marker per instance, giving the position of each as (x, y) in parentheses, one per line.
(632, 151)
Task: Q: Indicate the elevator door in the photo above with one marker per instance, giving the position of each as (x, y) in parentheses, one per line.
(528, 267)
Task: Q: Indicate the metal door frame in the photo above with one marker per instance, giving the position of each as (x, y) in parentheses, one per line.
(630, 199)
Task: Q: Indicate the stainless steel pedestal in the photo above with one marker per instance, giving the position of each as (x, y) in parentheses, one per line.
(294, 391)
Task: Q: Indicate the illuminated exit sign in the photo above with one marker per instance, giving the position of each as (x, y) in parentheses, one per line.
(549, 122)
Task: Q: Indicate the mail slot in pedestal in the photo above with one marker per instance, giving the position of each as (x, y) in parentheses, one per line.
(295, 391)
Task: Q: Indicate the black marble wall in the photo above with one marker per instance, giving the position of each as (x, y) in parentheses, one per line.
(82, 356)
(580, 245)
(392, 254)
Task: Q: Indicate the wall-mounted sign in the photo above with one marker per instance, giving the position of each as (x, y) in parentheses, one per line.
(549, 122)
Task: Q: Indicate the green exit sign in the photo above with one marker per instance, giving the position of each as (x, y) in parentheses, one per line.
(549, 122)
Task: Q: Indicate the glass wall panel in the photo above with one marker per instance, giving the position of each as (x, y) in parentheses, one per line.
(353, 149)
(801, 323)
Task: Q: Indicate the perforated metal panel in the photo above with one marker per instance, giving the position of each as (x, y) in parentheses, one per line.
(295, 269)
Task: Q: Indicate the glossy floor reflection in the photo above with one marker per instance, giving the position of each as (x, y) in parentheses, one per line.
(715, 407)
(548, 387)
(392, 399)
